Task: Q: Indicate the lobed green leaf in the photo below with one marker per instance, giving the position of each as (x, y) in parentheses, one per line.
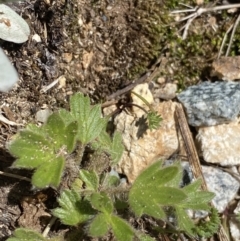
(117, 148)
(121, 229)
(89, 118)
(99, 226)
(31, 148)
(145, 237)
(184, 222)
(49, 173)
(149, 192)
(101, 202)
(73, 209)
(90, 178)
(44, 149)
(23, 234)
(155, 175)
(113, 146)
(66, 116)
(197, 199)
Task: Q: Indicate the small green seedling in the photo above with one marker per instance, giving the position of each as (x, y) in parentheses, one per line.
(154, 119)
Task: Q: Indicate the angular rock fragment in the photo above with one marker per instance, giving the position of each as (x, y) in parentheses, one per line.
(142, 146)
(222, 184)
(220, 144)
(166, 92)
(226, 68)
(210, 104)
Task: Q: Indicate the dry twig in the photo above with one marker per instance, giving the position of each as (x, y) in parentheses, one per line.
(193, 157)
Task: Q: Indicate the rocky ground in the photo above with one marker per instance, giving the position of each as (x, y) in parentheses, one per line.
(96, 47)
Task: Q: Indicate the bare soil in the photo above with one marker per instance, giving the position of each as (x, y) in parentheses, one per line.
(89, 45)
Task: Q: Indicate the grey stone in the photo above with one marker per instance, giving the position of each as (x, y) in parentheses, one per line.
(222, 184)
(210, 104)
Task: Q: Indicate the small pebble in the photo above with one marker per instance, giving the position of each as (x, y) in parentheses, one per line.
(42, 115)
(168, 92)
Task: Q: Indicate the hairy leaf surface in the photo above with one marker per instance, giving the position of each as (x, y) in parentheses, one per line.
(149, 192)
(121, 229)
(23, 234)
(99, 226)
(44, 149)
(73, 209)
(89, 118)
(113, 146)
(90, 179)
(102, 202)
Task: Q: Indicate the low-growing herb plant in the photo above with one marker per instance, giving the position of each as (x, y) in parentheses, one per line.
(92, 197)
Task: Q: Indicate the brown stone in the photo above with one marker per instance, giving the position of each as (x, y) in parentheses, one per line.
(226, 68)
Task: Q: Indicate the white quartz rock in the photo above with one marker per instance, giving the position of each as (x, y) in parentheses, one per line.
(210, 104)
(220, 144)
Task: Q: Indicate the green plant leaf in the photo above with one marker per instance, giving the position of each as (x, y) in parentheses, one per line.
(168, 196)
(150, 192)
(156, 174)
(70, 136)
(23, 234)
(31, 148)
(154, 120)
(207, 228)
(110, 180)
(90, 178)
(99, 226)
(121, 229)
(73, 209)
(150, 200)
(176, 180)
(49, 173)
(44, 149)
(113, 146)
(89, 118)
(117, 148)
(200, 201)
(192, 187)
(62, 134)
(184, 222)
(144, 237)
(66, 116)
(80, 106)
(197, 199)
(102, 202)
(54, 127)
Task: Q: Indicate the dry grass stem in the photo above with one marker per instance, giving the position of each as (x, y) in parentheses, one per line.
(232, 35)
(199, 11)
(193, 157)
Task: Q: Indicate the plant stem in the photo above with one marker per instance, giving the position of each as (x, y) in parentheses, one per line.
(143, 100)
(80, 150)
